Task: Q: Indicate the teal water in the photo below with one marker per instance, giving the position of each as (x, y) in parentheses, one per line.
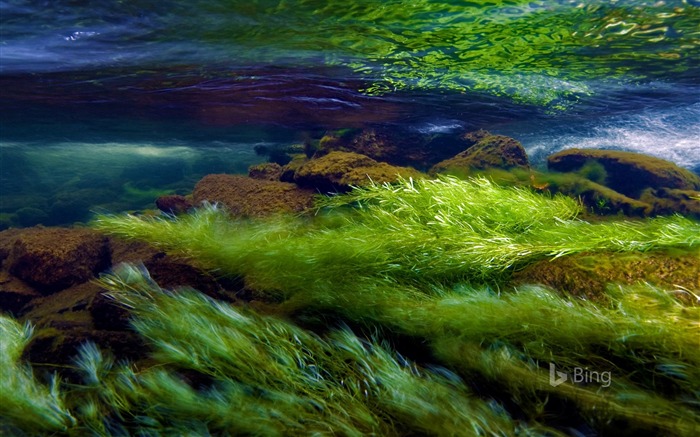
(103, 105)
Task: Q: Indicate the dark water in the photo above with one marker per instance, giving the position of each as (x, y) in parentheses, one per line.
(106, 104)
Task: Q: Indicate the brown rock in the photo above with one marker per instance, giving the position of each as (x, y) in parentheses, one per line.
(51, 259)
(14, 294)
(338, 171)
(588, 275)
(627, 172)
(269, 171)
(489, 152)
(403, 148)
(173, 204)
(251, 197)
(292, 166)
(368, 142)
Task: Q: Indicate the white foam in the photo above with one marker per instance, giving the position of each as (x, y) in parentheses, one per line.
(671, 134)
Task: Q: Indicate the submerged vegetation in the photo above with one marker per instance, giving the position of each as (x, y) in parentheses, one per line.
(422, 260)
(413, 232)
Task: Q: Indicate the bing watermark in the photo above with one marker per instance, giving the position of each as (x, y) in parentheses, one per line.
(578, 376)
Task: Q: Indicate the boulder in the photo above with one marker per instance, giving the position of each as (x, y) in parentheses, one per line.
(488, 152)
(51, 259)
(269, 171)
(14, 293)
(627, 172)
(588, 275)
(173, 204)
(338, 171)
(402, 148)
(244, 196)
(292, 166)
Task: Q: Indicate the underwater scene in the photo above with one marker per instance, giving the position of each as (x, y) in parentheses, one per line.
(387, 218)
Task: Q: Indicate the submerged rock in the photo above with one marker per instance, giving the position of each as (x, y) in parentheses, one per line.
(338, 171)
(627, 172)
(588, 275)
(173, 204)
(269, 171)
(252, 197)
(396, 148)
(487, 152)
(610, 182)
(51, 259)
(288, 171)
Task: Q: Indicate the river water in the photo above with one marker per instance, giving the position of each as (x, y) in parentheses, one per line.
(106, 104)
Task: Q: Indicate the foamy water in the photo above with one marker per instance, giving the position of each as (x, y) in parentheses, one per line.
(672, 134)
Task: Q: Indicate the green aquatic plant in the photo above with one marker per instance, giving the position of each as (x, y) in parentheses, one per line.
(220, 369)
(396, 257)
(414, 231)
(26, 403)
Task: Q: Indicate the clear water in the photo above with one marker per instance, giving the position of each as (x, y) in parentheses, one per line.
(107, 104)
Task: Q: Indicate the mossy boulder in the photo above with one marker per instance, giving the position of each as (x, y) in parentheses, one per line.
(598, 198)
(587, 275)
(488, 152)
(338, 171)
(288, 170)
(244, 196)
(268, 171)
(173, 204)
(669, 201)
(51, 259)
(628, 173)
(369, 142)
(402, 148)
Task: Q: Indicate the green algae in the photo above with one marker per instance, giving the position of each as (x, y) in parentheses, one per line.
(401, 260)
(533, 52)
(258, 375)
(415, 231)
(26, 403)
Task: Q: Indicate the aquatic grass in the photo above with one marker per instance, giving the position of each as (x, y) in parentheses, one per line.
(26, 404)
(401, 256)
(415, 231)
(341, 382)
(264, 376)
(644, 338)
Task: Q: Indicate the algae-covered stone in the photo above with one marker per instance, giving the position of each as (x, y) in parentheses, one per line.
(338, 171)
(252, 197)
(51, 259)
(269, 171)
(403, 148)
(588, 275)
(627, 172)
(173, 204)
(489, 152)
(288, 170)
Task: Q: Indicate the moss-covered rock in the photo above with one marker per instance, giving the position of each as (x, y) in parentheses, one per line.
(338, 171)
(627, 172)
(51, 259)
(669, 201)
(269, 171)
(173, 204)
(488, 152)
(588, 275)
(402, 148)
(252, 197)
(292, 166)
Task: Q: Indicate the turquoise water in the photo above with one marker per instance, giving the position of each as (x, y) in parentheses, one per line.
(104, 105)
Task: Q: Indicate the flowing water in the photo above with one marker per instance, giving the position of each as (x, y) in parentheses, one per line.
(105, 105)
